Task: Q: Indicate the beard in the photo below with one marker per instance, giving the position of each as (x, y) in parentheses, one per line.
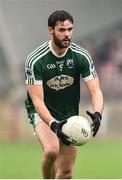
(61, 43)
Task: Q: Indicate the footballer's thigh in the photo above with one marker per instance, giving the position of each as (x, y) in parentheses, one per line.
(50, 145)
(47, 138)
(64, 166)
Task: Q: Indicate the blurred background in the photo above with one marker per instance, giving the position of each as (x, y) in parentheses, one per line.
(98, 28)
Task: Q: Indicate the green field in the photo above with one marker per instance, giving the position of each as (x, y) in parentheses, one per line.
(97, 159)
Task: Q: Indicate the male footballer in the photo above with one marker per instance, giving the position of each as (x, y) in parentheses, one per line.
(53, 73)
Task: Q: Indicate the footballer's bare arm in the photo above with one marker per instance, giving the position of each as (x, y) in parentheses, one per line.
(96, 94)
(37, 96)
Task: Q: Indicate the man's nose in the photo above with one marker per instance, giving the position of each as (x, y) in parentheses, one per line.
(67, 33)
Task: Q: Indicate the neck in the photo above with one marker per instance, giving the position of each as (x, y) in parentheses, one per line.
(58, 50)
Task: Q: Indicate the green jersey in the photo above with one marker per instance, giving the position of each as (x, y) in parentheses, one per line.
(60, 77)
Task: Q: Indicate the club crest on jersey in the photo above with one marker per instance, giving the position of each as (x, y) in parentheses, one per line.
(70, 63)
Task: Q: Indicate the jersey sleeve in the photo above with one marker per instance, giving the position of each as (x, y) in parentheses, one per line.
(33, 72)
(87, 69)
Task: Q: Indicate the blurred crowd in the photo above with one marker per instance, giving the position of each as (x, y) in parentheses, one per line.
(109, 64)
(106, 50)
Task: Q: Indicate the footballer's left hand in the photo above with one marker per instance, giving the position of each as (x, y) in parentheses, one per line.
(96, 118)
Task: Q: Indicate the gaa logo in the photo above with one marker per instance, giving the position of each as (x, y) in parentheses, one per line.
(51, 66)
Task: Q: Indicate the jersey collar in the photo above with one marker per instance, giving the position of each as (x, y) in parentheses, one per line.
(54, 53)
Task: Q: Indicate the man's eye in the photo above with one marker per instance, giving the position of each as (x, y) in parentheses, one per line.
(61, 30)
(70, 29)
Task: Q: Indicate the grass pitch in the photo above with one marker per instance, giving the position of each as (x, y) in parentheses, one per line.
(96, 160)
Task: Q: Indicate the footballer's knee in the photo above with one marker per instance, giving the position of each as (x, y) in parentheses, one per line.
(64, 173)
(51, 153)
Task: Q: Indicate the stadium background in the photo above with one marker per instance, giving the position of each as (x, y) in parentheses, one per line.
(98, 28)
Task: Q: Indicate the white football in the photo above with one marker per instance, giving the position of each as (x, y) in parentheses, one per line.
(79, 130)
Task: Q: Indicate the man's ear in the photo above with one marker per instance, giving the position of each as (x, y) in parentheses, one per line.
(50, 30)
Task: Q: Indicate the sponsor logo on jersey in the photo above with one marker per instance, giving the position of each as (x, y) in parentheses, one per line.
(60, 82)
(70, 63)
(51, 66)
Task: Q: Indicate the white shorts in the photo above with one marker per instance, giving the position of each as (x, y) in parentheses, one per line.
(34, 119)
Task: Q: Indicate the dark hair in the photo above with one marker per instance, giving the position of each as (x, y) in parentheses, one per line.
(59, 15)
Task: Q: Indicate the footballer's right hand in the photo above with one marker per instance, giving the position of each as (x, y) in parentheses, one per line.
(56, 127)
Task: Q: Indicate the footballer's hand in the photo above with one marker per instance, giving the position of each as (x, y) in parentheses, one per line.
(56, 127)
(96, 118)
